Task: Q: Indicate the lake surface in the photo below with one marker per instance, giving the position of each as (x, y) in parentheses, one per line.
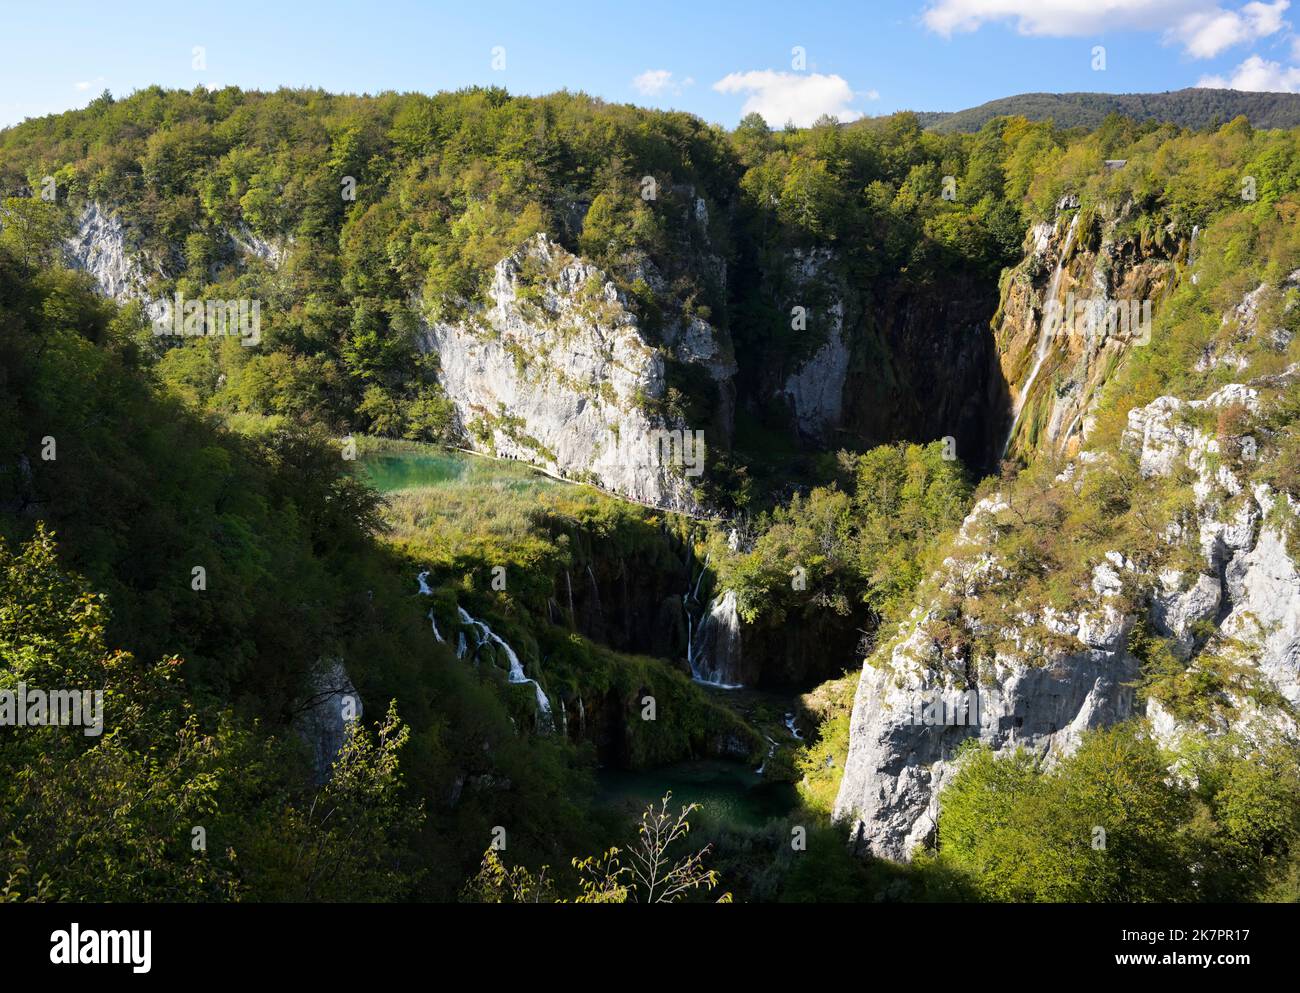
(727, 790)
(407, 470)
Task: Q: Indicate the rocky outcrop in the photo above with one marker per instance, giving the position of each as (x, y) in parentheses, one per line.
(1061, 673)
(332, 701)
(249, 244)
(861, 362)
(101, 248)
(555, 370)
(1083, 296)
(815, 391)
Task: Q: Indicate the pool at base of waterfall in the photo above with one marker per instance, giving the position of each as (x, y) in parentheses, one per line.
(728, 791)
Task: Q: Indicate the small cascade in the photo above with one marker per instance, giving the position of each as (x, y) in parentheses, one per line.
(770, 752)
(582, 719)
(1051, 310)
(423, 580)
(715, 653)
(792, 728)
(484, 634)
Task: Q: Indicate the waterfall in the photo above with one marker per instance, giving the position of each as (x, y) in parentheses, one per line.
(423, 580)
(484, 634)
(715, 654)
(689, 596)
(790, 726)
(1045, 332)
(770, 752)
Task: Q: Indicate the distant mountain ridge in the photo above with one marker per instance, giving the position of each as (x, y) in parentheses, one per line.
(1190, 108)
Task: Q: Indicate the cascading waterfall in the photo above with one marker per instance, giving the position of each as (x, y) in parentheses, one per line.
(423, 580)
(792, 727)
(484, 634)
(1045, 330)
(715, 655)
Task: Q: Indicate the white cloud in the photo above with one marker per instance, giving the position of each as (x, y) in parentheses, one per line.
(1259, 75)
(1207, 34)
(791, 96)
(656, 82)
(1059, 18)
(87, 84)
(1202, 26)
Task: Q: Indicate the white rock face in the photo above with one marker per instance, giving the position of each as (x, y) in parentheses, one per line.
(897, 766)
(1047, 692)
(555, 371)
(100, 248)
(815, 390)
(250, 244)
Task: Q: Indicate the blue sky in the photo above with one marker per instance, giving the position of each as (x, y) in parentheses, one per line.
(713, 58)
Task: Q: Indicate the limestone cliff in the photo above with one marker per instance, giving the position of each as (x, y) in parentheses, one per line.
(1221, 581)
(554, 369)
(1085, 294)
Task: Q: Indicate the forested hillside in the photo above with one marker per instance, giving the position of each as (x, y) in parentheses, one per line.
(902, 462)
(1199, 108)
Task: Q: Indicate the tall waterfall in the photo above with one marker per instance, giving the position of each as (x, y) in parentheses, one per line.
(1051, 308)
(715, 654)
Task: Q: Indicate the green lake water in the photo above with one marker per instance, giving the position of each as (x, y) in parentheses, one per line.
(428, 466)
(727, 790)
(407, 471)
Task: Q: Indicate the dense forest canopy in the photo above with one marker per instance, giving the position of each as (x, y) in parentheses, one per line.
(1197, 109)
